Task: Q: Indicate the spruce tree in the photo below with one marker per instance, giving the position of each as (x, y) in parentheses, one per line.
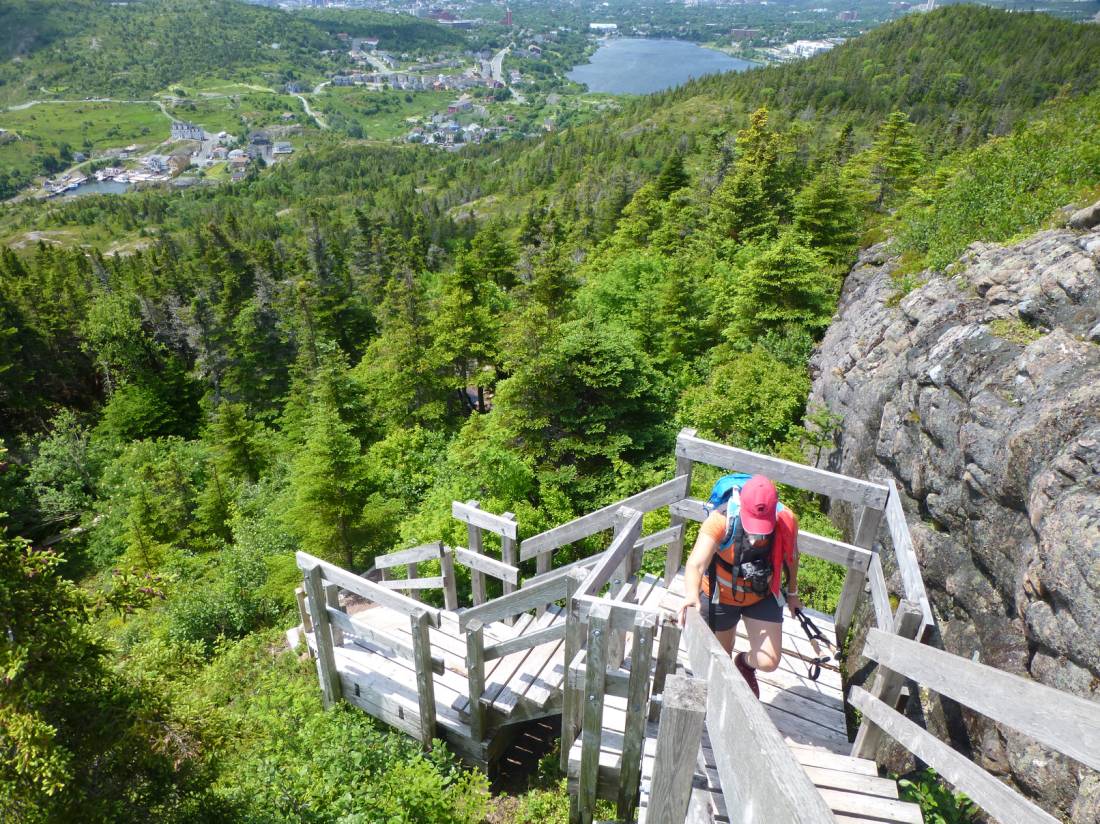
(827, 213)
(897, 158)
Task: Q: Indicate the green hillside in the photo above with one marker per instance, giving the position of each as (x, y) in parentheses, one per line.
(104, 49)
(398, 33)
(286, 363)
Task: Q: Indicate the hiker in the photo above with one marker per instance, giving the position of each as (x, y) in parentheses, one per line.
(759, 537)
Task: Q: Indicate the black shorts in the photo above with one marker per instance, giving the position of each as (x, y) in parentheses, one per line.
(726, 616)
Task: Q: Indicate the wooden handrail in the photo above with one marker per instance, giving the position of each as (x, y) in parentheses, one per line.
(1064, 722)
(366, 589)
(604, 518)
(539, 595)
(365, 632)
(819, 546)
(476, 516)
(424, 552)
(757, 770)
(483, 563)
(908, 564)
(810, 478)
(621, 548)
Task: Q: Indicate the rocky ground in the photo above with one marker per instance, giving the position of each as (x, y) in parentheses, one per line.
(979, 392)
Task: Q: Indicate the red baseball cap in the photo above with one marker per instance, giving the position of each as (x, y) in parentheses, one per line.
(758, 502)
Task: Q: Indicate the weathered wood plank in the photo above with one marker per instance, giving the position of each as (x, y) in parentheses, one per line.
(683, 708)
(850, 593)
(425, 684)
(763, 780)
(424, 552)
(508, 549)
(475, 674)
(571, 646)
(815, 757)
(474, 515)
(601, 519)
(332, 600)
(810, 478)
(622, 614)
(477, 577)
(662, 537)
(303, 609)
(908, 565)
(365, 632)
(523, 599)
(582, 565)
(880, 596)
(326, 661)
(852, 782)
(674, 555)
(555, 632)
(871, 806)
(668, 648)
(887, 684)
(450, 584)
(483, 563)
(435, 582)
(637, 696)
(592, 713)
(1001, 802)
(621, 548)
(1065, 722)
(367, 589)
(543, 672)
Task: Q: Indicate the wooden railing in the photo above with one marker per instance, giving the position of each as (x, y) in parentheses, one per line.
(759, 774)
(872, 502)
(1066, 723)
(324, 611)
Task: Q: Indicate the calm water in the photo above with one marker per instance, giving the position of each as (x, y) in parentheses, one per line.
(96, 187)
(631, 65)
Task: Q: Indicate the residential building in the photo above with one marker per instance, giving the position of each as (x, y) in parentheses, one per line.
(182, 130)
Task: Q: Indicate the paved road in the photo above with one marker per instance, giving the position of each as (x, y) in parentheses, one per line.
(378, 64)
(496, 67)
(321, 122)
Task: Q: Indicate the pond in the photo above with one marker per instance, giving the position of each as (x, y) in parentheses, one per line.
(631, 65)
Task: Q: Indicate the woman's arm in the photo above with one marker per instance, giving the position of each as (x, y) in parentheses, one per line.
(694, 569)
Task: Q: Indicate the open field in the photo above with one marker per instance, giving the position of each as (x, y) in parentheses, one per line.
(238, 112)
(48, 128)
(377, 115)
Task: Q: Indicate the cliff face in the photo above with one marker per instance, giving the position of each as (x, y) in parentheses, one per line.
(979, 392)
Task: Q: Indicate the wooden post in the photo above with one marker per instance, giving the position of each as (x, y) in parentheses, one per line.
(683, 708)
(332, 598)
(303, 609)
(322, 637)
(674, 556)
(866, 531)
(616, 642)
(571, 698)
(637, 702)
(508, 552)
(411, 572)
(543, 562)
(477, 577)
(595, 677)
(447, 570)
(475, 676)
(425, 685)
(667, 650)
(887, 684)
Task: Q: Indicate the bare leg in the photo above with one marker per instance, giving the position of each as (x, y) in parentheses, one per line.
(765, 644)
(725, 638)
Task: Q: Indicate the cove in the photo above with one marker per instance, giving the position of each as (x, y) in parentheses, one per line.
(632, 65)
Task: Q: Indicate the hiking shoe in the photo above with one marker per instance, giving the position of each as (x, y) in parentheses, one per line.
(747, 672)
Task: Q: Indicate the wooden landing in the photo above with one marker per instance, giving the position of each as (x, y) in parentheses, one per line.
(518, 687)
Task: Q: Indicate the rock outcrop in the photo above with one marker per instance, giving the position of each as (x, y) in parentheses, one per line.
(979, 392)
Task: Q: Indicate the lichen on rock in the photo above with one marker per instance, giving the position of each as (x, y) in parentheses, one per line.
(979, 393)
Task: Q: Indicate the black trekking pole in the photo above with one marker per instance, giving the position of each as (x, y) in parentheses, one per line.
(817, 637)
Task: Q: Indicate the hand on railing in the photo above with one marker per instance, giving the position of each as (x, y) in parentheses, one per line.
(689, 603)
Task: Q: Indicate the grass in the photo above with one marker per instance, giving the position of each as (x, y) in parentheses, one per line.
(238, 112)
(380, 115)
(1015, 331)
(84, 127)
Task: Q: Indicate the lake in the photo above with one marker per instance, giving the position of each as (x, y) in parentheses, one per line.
(631, 65)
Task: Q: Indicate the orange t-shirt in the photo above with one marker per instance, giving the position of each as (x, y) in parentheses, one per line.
(784, 550)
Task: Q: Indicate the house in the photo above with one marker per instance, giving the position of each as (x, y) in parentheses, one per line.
(535, 49)
(182, 130)
(282, 147)
(603, 28)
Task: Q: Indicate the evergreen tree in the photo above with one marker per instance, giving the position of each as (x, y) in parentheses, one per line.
(672, 176)
(826, 211)
(786, 287)
(897, 158)
(740, 210)
(326, 488)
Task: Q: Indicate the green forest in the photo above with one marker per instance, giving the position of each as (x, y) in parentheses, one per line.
(325, 355)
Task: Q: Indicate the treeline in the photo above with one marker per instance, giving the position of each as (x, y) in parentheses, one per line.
(396, 32)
